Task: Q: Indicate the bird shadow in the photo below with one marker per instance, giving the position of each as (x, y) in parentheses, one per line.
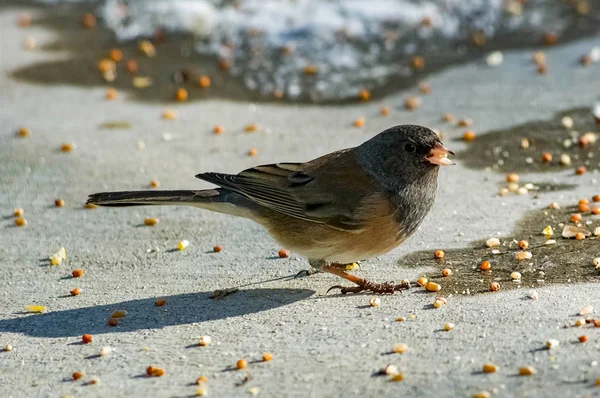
(180, 309)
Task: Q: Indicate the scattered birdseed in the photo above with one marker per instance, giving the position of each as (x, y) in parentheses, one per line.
(397, 377)
(94, 380)
(254, 390)
(466, 122)
(59, 202)
(8, 348)
(579, 236)
(523, 256)
(575, 217)
(75, 292)
(447, 272)
(588, 309)
(384, 111)
(390, 370)
(204, 81)
(200, 392)
(494, 59)
(267, 356)
(447, 117)
(110, 94)
(77, 273)
(90, 206)
(494, 286)
(485, 265)
(18, 212)
(448, 326)
(181, 95)
(20, 222)
(86, 338)
(400, 348)
(375, 302)
(512, 177)
(523, 244)
(422, 281)
(516, 276)
(360, 122)
(252, 152)
(23, 132)
(151, 371)
(439, 302)
(433, 287)
(119, 314)
(596, 210)
(580, 322)
(439, 254)
(217, 249)
(364, 95)
(425, 88)
(412, 103)
(160, 302)
(141, 81)
(77, 375)
(169, 114)
(241, 364)
(468, 136)
(548, 231)
(492, 242)
(417, 62)
(182, 244)
(533, 295)
(104, 351)
(250, 128)
(217, 129)
(580, 170)
(567, 122)
(200, 380)
(310, 70)
(552, 343)
(67, 147)
(527, 371)
(283, 253)
(582, 339)
(489, 368)
(596, 262)
(150, 221)
(36, 309)
(203, 341)
(546, 157)
(113, 322)
(147, 48)
(400, 319)
(88, 20)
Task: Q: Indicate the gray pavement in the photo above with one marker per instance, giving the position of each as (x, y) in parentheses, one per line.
(322, 346)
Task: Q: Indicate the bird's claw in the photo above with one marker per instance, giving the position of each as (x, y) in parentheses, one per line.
(222, 293)
(306, 272)
(377, 288)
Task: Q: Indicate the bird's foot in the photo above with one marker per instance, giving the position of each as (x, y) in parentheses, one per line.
(367, 286)
(313, 270)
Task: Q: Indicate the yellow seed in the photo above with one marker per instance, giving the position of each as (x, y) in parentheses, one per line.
(527, 371)
(18, 212)
(439, 303)
(375, 302)
(67, 147)
(23, 132)
(433, 287)
(422, 281)
(267, 356)
(62, 253)
(200, 392)
(448, 326)
(154, 184)
(35, 308)
(169, 114)
(182, 245)
(482, 394)
(489, 368)
(516, 275)
(90, 206)
(55, 259)
(400, 348)
(20, 222)
(150, 221)
(241, 364)
(397, 377)
(548, 231)
(147, 48)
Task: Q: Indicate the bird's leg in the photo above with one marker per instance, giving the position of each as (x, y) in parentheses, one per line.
(315, 268)
(362, 284)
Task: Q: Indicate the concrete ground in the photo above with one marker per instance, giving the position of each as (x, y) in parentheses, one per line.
(322, 346)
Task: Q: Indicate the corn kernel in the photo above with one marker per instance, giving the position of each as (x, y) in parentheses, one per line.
(527, 371)
(489, 368)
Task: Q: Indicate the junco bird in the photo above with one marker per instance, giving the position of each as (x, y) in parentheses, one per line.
(340, 208)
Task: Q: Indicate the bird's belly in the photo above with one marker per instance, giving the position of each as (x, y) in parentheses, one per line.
(320, 242)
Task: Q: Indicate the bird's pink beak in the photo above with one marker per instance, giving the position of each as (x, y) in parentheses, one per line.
(439, 155)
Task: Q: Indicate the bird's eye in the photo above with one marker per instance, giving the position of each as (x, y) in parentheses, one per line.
(410, 147)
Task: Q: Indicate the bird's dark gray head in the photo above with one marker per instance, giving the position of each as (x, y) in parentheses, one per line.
(402, 155)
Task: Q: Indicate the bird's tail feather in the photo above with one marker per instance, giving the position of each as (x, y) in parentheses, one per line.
(140, 198)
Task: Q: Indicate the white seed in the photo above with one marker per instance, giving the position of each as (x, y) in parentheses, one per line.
(595, 54)
(254, 390)
(105, 351)
(8, 348)
(590, 138)
(565, 159)
(495, 58)
(400, 348)
(503, 191)
(492, 242)
(552, 343)
(550, 242)
(391, 370)
(597, 231)
(533, 295)
(588, 309)
(596, 110)
(522, 191)
(596, 261)
(375, 302)
(513, 187)
(516, 275)
(567, 122)
(204, 340)
(522, 256)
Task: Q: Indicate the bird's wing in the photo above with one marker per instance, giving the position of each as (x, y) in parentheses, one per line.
(327, 190)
